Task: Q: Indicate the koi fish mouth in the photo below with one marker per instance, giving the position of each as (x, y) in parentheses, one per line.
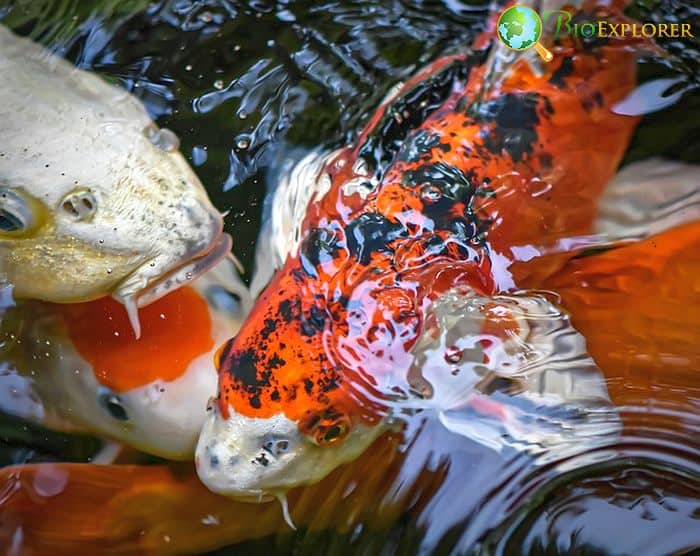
(133, 293)
(252, 458)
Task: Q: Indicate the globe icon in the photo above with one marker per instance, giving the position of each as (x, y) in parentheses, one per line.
(519, 27)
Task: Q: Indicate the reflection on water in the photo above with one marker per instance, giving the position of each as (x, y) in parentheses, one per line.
(237, 80)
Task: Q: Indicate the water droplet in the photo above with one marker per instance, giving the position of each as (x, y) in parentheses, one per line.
(162, 138)
(242, 114)
(453, 354)
(243, 143)
(49, 480)
(199, 155)
(109, 271)
(236, 47)
(206, 17)
(210, 520)
(162, 316)
(219, 84)
(430, 193)
(188, 67)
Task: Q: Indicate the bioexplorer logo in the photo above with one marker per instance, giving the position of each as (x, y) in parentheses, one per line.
(520, 28)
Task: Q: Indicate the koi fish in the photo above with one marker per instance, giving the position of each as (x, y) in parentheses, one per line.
(78, 367)
(166, 510)
(478, 182)
(94, 198)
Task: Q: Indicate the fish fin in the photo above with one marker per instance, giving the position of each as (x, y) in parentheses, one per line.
(60, 508)
(294, 184)
(652, 96)
(647, 198)
(227, 274)
(64, 508)
(639, 310)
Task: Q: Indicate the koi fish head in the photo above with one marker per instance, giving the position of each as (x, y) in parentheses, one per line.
(94, 197)
(287, 412)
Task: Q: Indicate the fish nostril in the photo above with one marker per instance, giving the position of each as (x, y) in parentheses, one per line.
(276, 446)
(80, 205)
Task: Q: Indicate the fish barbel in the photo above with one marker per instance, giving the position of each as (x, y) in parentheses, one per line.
(95, 200)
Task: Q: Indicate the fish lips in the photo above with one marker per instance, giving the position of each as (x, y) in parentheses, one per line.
(162, 285)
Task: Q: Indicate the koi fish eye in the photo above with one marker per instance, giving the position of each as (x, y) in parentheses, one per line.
(16, 214)
(80, 205)
(112, 404)
(330, 431)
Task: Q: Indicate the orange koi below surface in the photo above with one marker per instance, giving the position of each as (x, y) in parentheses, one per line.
(127, 509)
(482, 194)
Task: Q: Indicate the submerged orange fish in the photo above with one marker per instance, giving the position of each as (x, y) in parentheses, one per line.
(498, 169)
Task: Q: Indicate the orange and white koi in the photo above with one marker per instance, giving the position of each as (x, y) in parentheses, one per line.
(79, 366)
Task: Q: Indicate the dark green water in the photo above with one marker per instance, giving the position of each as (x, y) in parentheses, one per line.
(242, 82)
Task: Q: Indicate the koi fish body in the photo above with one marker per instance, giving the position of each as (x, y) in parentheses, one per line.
(483, 192)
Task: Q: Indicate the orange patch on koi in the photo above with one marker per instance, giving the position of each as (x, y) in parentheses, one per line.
(176, 329)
